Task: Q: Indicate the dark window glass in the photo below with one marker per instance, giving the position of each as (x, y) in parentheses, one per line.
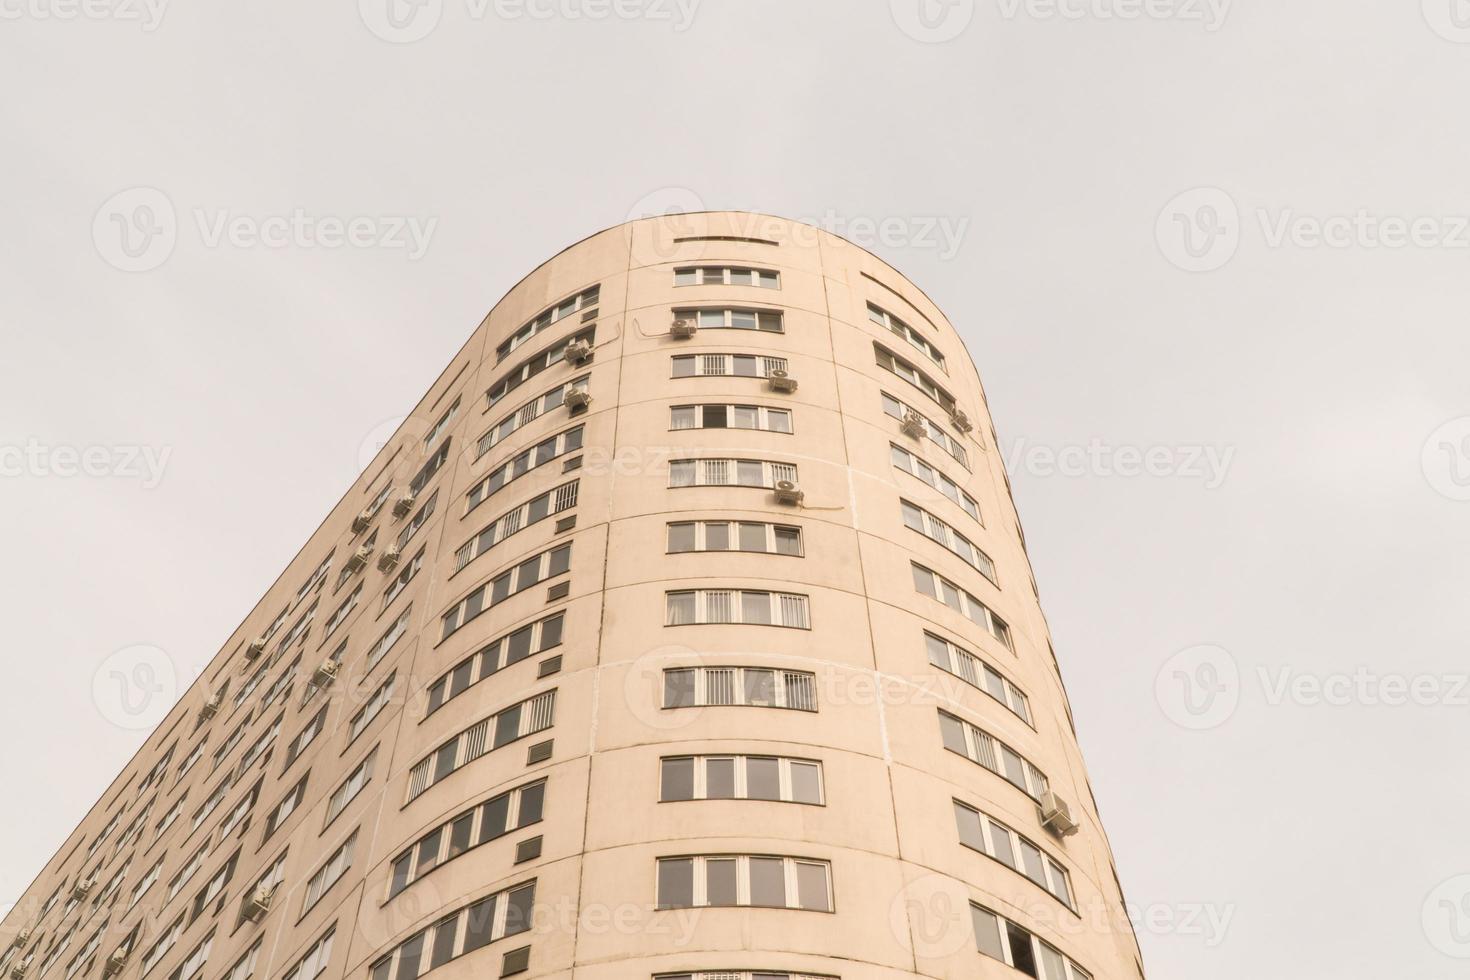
(533, 797)
(520, 645)
(678, 688)
(678, 779)
(768, 882)
(561, 560)
(478, 923)
(953, 732)
(1023, 957)
(408, 958)
(429, 851)
(551, 633)
(459, 835)
(460, 679)
(444, 935)
(507, 725)
(676, 884)
(400, 873)
(492, 823)
(719, 884)
(763, 779)
(987, 933)
(719, 779)
(519, 909)
(444, 761)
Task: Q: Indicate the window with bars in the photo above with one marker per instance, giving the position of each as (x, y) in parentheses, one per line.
(505, 913)
(365, 715)
(982, 832)
(500, 815)
(715, 275)
(740, 777)
(918, 519)
(518, 518)
(750, 880)
(548, 449)
(986, 750)
(535, 714)
(757, 417)
(347, 791)
(729, 473)
(890, 361)
(498, 654)
(888, 321)
(420, 517)
(523, 575)
(1001, 939)
(771, 539)
(748, 607)
(902, 410)
(405, 575)
(955, 659)
(328, 874)
(943, 590)
(729, 318)
(582, 302)
(917, 468)
(726, 365)
(315, 959)
(758, 687)
(534, 365)
(526, 414)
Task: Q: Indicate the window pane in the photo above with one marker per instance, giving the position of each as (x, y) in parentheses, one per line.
(779, 420)
(1052, 961)
(408, 958)
(719, 779)
(1023, 957)
(750, 473)
(971, 833)
(806, 782)
(953, 732)
(479, 923)
(533, 798)
(1014, 773)
(811, 886)
(768, 882)
(681, 473)
(1059, 887)
(519, 909)
(444, 936)
(681, 608)
(788, 541)
(459, 835)
(744, 417)
(762, 779)
(684, 366)
(682, 417)
(720, 881)
(987, 933)
(429, 851)
(717, 536)
(755, 607)
(752, 537)
(520, 645)
(444, 761)
(745, 366)
(679, 688)
(681, 537)
(493, 815)
(1000, 841)
(676, 884)
(400, 873)
(678, 780)
(760, 686)
(1031, 863)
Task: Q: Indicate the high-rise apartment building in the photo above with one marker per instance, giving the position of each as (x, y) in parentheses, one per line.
(685, 630)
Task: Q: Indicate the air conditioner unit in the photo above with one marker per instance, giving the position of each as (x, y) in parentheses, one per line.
(115, 962)
(361, 521)
(359, 558)
(787, 492)
(576, 399)
(80, 889)
(256, 648)
(259, 903)
(404, 504)
(18, 972)
(21, 938)
(682, 329)
(388, 558)
(781, 381)
(326, 673)
(961, 421)
(578, 352)
(209, 708)
(1056, 816)
(914, 425)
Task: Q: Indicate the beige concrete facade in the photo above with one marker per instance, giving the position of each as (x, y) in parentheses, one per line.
(882, 871)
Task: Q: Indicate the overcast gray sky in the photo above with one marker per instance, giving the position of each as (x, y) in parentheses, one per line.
(1211, 259)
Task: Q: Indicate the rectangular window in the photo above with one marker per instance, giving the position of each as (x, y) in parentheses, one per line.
(343, 611)
(745, 606)
(918, 519)
(146, 882)
(442, 424)
(162, 945)
(740, 777)
(286, 807)
(420, 517)
(545, 451)
(505, 913)
(213, 887)
(365, 715)
(305, 737)
(982, 832)
(533, 511)
(244, 967)
(526, 414)
(1001, 939)
(714, 275)
(315, 959)
(762, 687)
(328, 874)
(208, 806)
(972, 670)
(941, 589)
(534, 365)
(888, 321)
(903, 412)
(728, 318)
(351, 786)
(729, 473)
(524, 718)
(757, 417)
(523, 575)
(582, 302)
(986, 750)
(726, 365)
(404, 576)
(890, 361)
(500, 815)
(513, 647)
(429, 469)
(744, 880)
(916, 467)
(771, 539)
